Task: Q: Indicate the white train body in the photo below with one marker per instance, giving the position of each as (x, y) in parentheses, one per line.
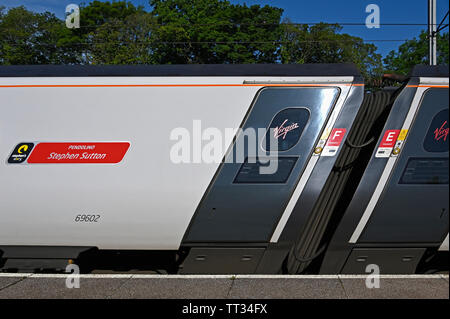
(146, 201)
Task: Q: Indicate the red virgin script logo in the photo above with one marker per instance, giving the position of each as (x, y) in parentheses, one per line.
(282, 130)
(441, 133)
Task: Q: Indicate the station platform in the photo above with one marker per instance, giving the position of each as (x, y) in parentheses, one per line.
(137, 286)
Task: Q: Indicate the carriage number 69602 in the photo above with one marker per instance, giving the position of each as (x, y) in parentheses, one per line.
(87, 218)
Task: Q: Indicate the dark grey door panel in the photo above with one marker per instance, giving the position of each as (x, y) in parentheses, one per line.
(242, 206)
(414, 204)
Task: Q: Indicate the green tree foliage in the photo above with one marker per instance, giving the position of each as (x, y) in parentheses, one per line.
(105, 27)
(216, 31)
(193, 31)
(414, 52)
(96, 13)
(33, 38)
(125, 41)
(323, 43)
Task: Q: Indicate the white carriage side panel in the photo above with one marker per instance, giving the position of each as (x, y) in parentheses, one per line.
(146, 201)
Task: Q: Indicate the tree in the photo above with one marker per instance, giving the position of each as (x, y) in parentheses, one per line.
(33, 38)
(177, 31)
(414, 52)
(96, 13)
(101, 25)
(127, 41)
(2, 41)
(216, 31)
(322, 43)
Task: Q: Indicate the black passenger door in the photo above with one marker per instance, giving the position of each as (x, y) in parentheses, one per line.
(414, 204)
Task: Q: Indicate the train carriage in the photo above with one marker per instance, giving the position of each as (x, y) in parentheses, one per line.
(156, 160)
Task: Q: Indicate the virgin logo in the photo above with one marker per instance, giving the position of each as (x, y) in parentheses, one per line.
(441, 133)
(282, 130)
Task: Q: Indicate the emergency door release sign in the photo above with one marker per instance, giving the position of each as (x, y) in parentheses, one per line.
(387, 143)
(334, 141)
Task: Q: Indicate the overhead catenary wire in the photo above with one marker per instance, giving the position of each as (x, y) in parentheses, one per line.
(440, 26)
(203, 42)
(237, 24)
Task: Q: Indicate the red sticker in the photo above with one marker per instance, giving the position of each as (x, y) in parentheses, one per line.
(79, 153)
(336, 137)
(389, 138)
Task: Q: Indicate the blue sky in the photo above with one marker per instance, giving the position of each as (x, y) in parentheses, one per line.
(304, 11)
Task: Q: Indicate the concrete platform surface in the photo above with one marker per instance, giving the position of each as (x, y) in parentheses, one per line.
(97, 286)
